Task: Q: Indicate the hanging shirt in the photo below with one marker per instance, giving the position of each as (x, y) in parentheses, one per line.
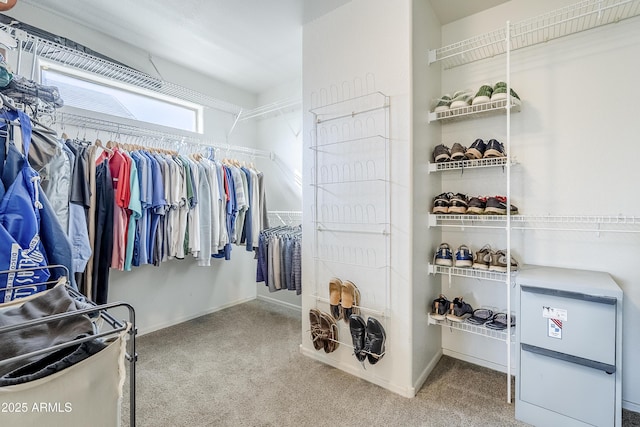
(135, 207)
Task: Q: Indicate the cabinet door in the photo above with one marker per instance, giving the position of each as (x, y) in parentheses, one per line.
(586, 327)
(581, 392)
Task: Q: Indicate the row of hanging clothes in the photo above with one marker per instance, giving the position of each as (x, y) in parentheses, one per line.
(147, 205)
(279, 256)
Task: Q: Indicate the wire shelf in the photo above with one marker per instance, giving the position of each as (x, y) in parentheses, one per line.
(70, 57)
(285, 217)
(595, 223)
(351, 107)
(474, 111)
(568, 20)
(472, 329)
(470, 164)
(469, 272)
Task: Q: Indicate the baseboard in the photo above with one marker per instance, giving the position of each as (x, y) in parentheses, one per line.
(282, 303)
(173, 322)
(360, 373)
(630, 406)
(480, 362)
(425, 373)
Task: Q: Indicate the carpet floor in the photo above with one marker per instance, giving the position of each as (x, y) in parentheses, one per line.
(242, 367)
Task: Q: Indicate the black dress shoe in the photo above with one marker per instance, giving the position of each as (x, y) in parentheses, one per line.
(374, 340)
(358, 331)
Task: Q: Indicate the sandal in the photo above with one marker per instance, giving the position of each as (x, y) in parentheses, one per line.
(329, 327)
(350, 298)
(480, 316)
(335, 292)
(499, 322)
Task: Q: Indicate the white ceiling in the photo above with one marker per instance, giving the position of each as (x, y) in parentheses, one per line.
(251, 44)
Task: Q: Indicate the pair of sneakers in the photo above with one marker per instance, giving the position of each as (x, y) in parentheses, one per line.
(490, 260)
(444, 256)
(450, 203)
(497, 92)
(368, 338)
(495, 205)
(485, 150)
(455, 311)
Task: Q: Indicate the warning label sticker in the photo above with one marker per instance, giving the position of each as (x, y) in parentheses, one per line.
(554, 313)
(555, 328)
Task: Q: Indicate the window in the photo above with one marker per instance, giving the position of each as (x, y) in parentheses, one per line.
(94, 93)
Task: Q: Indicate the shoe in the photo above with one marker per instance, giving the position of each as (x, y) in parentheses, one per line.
(357, 327)
(457, 152)
(329, 329)
(500, 92)
(350, 300)
(443, 256)
(374, 341)
(482, 258)
(494, 149)
(459, 310)
(477, 205)
(499, 262)
(480, 316)
(476, 151)
(498, 206)
(458, 203)
(443, 103)
(499, 322)
(441, 153)
(464, 257)
(441, 203)
(439, 307)
(318, 335)
(335, 294)
(461, 98)
(483, 95)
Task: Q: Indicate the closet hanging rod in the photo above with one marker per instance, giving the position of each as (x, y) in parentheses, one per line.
(179, 140)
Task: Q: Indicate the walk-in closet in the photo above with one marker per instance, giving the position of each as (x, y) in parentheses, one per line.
(301, 213)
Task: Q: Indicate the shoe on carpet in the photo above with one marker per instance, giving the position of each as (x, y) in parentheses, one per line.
(480, 316)
(443, 255)
(439, 307)
(442, 103)
(494, 148)
(441, 203)
(477, 205)
(318, 335)
(374, 341)
(483, 95)
(457, 152)
(335, 295)
(350, 300)
(461, 98)
(458, 203)
(459, 310)
(358, 329)
(499, 262)
(441, 153)
(464, 257)
(482, 258)
(500, 92)
(476, 150)
(497, 205)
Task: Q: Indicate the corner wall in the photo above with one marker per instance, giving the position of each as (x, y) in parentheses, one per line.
(362, 47)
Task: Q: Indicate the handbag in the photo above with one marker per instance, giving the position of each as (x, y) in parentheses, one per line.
(20, 245)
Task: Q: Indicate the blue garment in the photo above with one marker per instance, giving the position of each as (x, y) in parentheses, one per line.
(158, 206)
(53, 238)
(247, 230)
(231, 212)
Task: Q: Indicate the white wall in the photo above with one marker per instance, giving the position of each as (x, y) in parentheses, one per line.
(365, 41)
(177, 290)
(426, 340)
(574, 141)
